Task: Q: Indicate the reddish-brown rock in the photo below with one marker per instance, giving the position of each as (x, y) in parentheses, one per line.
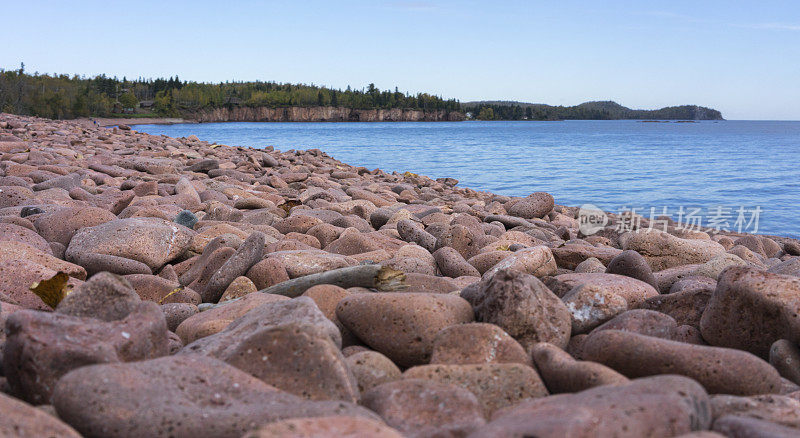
(105, 296)
(784, 355)
(60, 225)
(371, 369)
(215, 320)
(736, 426)
(521, 305)
(655, 406)
(402, 325)
(537, 261)
(423, 408)
(41, 347)
(770, 407)
(562, 373)
(719, 370)
(476, 343)
(153, 242)
(751, 309)
(288, 344)
(496, 385)
(632, 264)
(195, 396)
(341, 426)
(663, 250)
(22, 420)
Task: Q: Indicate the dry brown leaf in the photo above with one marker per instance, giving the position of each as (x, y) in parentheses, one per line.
(52, 290)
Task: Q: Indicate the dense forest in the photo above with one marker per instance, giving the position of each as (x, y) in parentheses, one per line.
(66, 97)
(606, 110)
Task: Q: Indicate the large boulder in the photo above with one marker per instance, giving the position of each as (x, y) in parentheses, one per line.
(181, 396)
(536, 205)
(149, 241)
(521, 305)
(719, 370)
(654, 406)
(41, 347)
(663, 250)
(25, 421)
(537, 261)
(476, 343)
(402, 326)
(750, 309)
(425, 408)
(495, 385)
(60, 225)
(290, 345)
(105, 296)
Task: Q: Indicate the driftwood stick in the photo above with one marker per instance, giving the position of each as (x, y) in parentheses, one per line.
(372, 276)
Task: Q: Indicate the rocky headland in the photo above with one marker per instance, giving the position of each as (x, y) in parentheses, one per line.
(156, 286)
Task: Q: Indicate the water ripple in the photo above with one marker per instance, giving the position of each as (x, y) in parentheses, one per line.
(607, 163)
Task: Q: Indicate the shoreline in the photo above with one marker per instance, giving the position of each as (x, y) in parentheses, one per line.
(133, 121)
(233, 282)
(115, 121)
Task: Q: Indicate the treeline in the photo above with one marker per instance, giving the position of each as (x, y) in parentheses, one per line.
(66, 97)
(606, 110)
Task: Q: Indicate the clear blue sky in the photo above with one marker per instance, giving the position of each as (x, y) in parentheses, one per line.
(741, 57)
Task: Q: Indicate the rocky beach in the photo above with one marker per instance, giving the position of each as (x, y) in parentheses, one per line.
(158, 286)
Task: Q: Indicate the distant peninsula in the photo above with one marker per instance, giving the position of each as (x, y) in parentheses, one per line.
(170, 100)
(600, 110)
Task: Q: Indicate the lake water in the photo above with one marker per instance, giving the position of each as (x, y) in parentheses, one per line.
(730, 174)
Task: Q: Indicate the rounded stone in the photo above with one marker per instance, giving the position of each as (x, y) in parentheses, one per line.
(16, 233)
(537, 261)
(719, 370)
(161, 290)
(523, 306)
(327, 297)
(402, 325)
(176, 313)
(371, 369)
(663, 250)
(215, 320)
(655, 406)
(590, 265)
(561, 373)
(750, 309)
(631, 264)
(60, 225)
(591, 305)
(195, 396)
(536, 205)
(341, 426)
(22, 420)
(238, 288)
(153, 242)
(496, 385)
(268, 272)
(476, 343)
(105, 296)
(424, 408)
(784, 355)
(186, 218)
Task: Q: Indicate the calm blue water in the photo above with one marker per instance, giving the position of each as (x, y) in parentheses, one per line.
(611, 164)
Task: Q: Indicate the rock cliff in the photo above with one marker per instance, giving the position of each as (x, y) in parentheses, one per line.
(321, 114)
